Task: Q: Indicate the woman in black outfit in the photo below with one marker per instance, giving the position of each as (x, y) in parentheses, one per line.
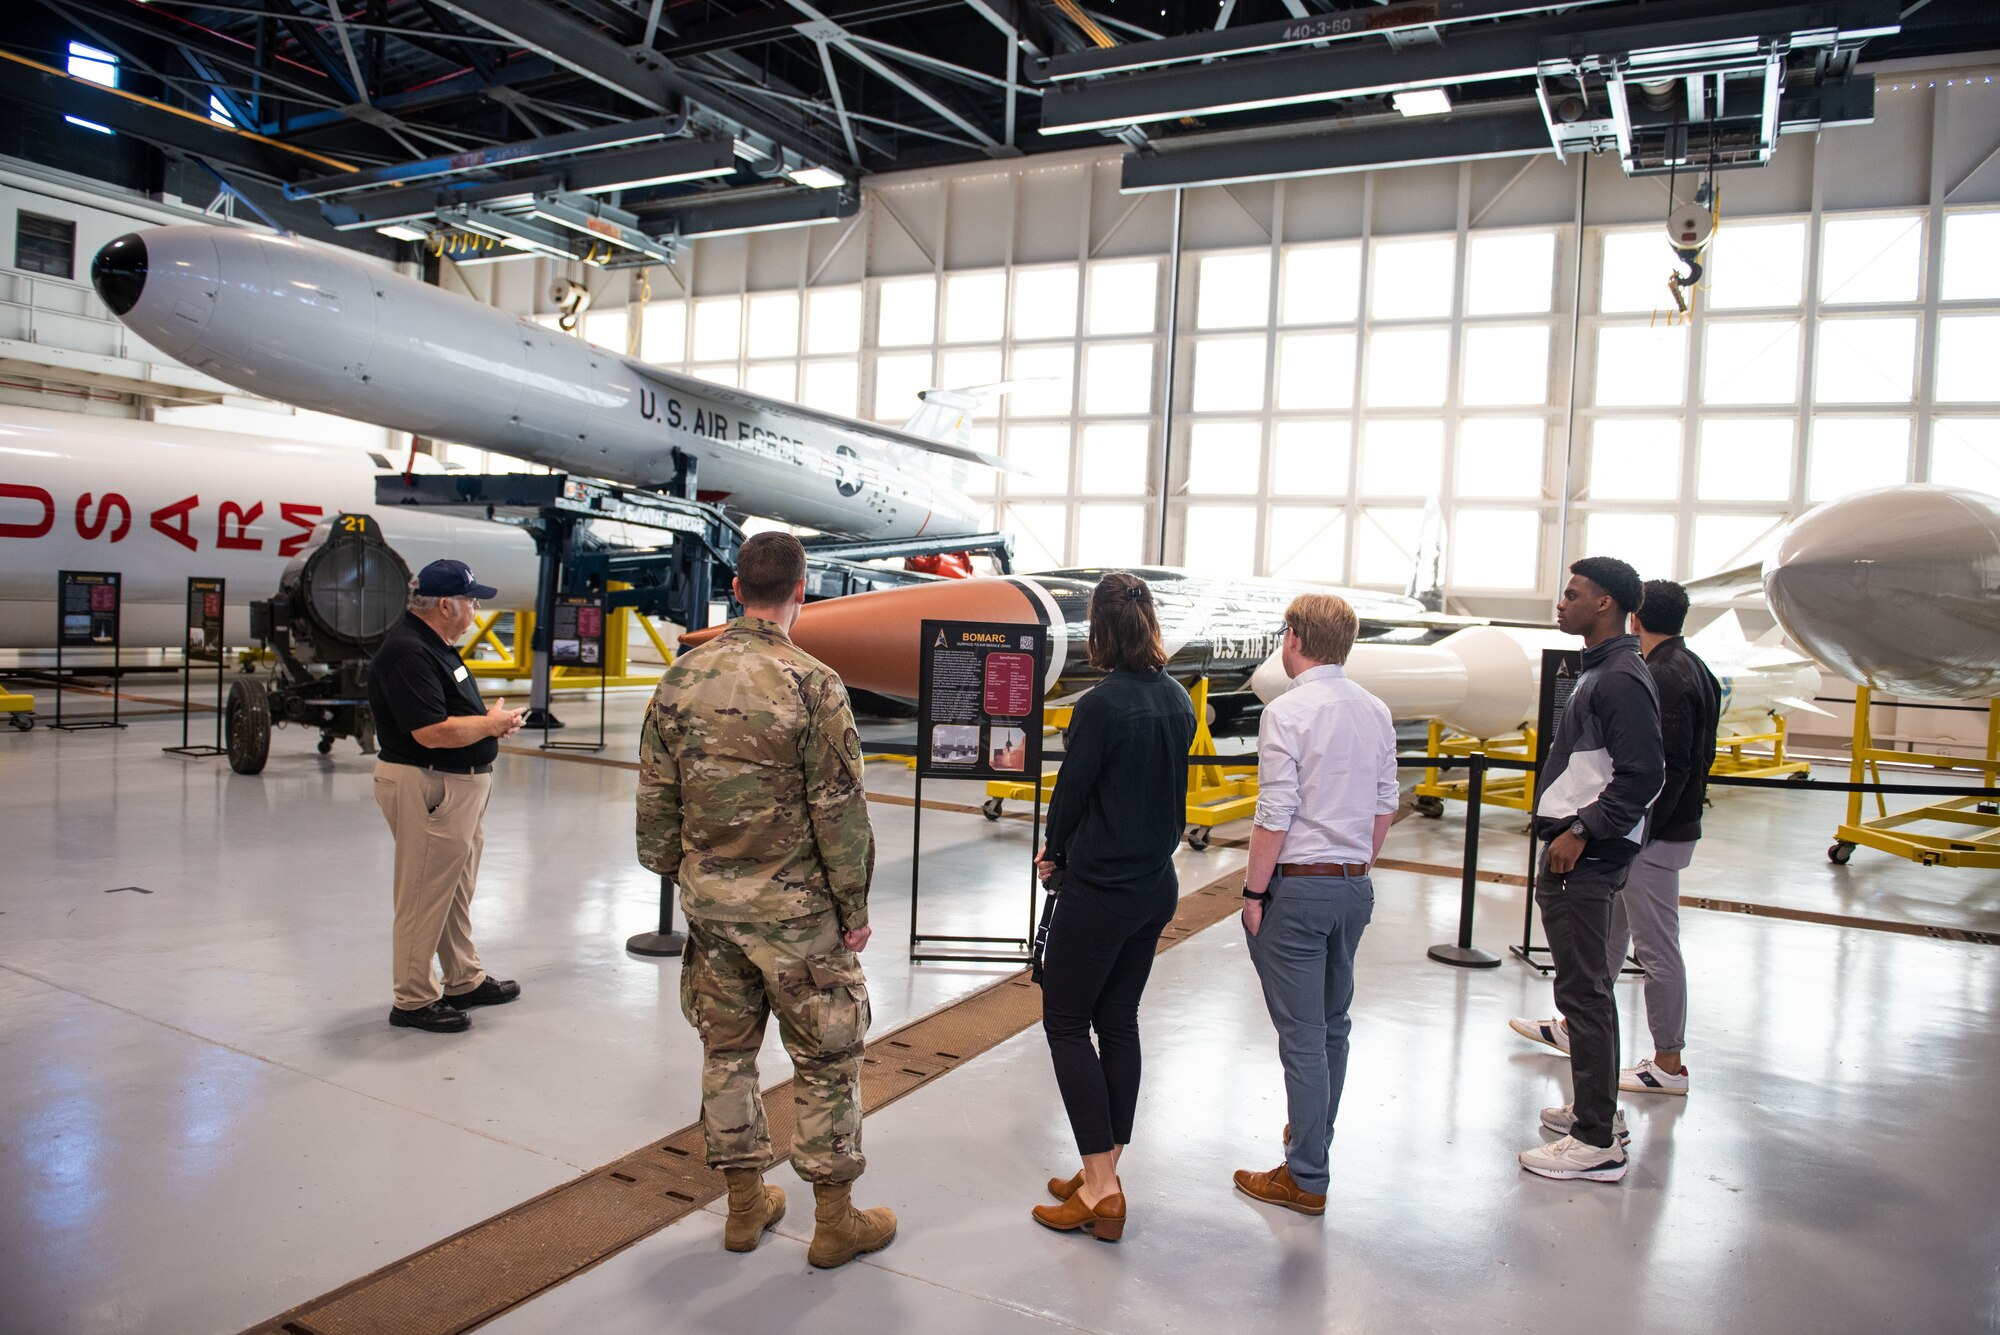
(1114, 823)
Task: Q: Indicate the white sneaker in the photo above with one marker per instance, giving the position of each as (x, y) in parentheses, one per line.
(1560, 1120)
(1647, 1078)
(1570, 1158)
(1550, 1032)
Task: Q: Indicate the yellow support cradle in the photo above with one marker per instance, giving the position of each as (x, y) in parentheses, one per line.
(516, 661)
(1513, 789)
(1885, 830)
(20, 708)
(1732, 757)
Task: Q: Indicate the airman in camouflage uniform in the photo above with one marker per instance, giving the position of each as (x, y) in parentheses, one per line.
(750, 798)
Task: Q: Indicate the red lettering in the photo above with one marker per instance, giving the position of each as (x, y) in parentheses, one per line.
(11, 492)
(240, 540)
(306, 517)
(88, 526)
(179, 512)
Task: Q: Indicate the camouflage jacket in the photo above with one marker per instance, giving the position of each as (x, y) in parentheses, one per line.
(750, 783)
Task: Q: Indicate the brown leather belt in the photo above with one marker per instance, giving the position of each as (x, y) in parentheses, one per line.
(1322, 869)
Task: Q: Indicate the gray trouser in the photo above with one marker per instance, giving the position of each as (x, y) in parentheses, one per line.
(1304, 953)
(1648, 916)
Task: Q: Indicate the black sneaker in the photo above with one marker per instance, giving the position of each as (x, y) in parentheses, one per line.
(490, 992)
(436, 1017)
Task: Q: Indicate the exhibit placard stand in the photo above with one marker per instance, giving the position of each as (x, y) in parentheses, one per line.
(87, 616)
(979, 716)
(576, 639)
(205, 601)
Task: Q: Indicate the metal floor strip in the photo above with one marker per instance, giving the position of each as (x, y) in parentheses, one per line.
(473, 1276)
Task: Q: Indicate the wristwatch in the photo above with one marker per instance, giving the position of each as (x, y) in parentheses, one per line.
(1263, 898)
(1580, 830)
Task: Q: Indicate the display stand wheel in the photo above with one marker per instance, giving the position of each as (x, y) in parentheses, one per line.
(1799, 776)
(1432, 808)
(325, 745)
(22, 722)
(247, 726)
(1198, 837)
(1840, 852)
(990, 808)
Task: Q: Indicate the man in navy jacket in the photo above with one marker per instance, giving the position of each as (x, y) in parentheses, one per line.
(1604, 768)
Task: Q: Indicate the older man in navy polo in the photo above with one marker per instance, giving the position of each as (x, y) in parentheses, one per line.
(433, 776)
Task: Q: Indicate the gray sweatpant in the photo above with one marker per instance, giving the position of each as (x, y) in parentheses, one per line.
(1647, 917)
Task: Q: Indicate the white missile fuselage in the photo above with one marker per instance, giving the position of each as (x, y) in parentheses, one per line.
(160, 504)
(328, 331)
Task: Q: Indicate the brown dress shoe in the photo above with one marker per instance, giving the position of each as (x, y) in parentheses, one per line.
(1062, 1188)
(1277, 1188)
(1104, 1221)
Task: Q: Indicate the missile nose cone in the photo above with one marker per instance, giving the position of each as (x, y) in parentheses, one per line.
(119, 273)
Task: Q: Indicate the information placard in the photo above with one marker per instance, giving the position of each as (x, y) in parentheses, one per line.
(204, 619)
(979, 706)
(576, 637)
(1560, 669)
(87, 602)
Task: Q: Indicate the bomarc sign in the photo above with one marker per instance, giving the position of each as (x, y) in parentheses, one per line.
(979, 706)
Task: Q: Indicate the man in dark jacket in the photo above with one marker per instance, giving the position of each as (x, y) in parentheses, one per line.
(1603, 771)
(1647, 914)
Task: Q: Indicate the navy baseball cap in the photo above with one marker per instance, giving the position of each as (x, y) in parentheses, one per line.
(451, 579)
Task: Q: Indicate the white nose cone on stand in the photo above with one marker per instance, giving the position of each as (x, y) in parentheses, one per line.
(1481, 680)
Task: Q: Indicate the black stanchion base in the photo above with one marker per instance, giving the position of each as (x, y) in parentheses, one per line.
(1464, 957)
(656, 943)
(1526, 954)
(82, 727)
(196, 750)
(542, 718)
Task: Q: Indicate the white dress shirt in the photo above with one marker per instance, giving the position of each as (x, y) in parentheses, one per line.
(1326, 768)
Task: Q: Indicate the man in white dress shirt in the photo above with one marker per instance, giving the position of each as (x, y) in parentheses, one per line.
(1326, 793)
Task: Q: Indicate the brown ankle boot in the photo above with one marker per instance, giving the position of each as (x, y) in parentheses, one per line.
(753, 1209)
(843, 1232)
(1062, 1188)
(1105, 1220)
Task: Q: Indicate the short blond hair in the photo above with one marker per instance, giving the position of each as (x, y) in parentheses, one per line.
(1325, 624)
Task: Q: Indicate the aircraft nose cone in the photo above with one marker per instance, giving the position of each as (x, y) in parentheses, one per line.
(119, 273)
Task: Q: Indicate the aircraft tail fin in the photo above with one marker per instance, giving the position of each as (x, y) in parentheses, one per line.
(946, 414)
(1427, 576)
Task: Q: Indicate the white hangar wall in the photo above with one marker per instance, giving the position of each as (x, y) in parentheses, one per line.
(1347, 346)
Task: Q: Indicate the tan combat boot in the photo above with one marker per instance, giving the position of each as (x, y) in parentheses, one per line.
(844, 1232)
(753, 1209)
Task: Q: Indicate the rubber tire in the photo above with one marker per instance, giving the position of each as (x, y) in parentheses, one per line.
(326, 746)
(246, 724)
(23, 722)
(1840, 852)
(1430, 808)
(1198, 837)
(990, 808)
(1802, 776)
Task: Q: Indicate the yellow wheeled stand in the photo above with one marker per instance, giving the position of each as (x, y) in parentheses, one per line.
(516, 661)
(1885, 832)
(1732, 757)
(1513, 789)
(1217, 794)
(19, 710)
(1055, 721)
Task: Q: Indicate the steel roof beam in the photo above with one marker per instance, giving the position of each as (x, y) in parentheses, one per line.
(638, 74)
(488, 159)
(766, 211)
(821, 28)
(777, 23)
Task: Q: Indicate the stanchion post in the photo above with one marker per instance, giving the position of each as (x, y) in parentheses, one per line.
(1464, 954)
(666, 941)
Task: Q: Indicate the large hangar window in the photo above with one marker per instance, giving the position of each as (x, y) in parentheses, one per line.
(44, 245)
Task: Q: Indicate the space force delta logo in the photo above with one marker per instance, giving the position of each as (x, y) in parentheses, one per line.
(33, 512)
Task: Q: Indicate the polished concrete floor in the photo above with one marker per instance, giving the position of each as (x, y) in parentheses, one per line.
(204, 1118)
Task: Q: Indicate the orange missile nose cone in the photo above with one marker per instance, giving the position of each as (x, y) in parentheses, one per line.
(872, 639)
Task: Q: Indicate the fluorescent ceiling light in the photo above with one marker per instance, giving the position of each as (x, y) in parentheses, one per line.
(1422, 102)
(817, 178)
(400, 232)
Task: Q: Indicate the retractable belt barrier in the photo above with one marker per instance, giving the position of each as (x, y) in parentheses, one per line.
(1462, 953)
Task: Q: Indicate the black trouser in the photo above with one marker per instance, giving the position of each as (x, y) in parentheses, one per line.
(1094, 970)
(1576, 916)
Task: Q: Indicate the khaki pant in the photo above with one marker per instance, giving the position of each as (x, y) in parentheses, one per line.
(733, 975)
(436, 820)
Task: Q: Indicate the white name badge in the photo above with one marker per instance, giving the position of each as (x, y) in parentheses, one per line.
(461, 674)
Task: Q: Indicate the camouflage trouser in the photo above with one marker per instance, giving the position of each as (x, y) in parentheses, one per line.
(733, 975)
